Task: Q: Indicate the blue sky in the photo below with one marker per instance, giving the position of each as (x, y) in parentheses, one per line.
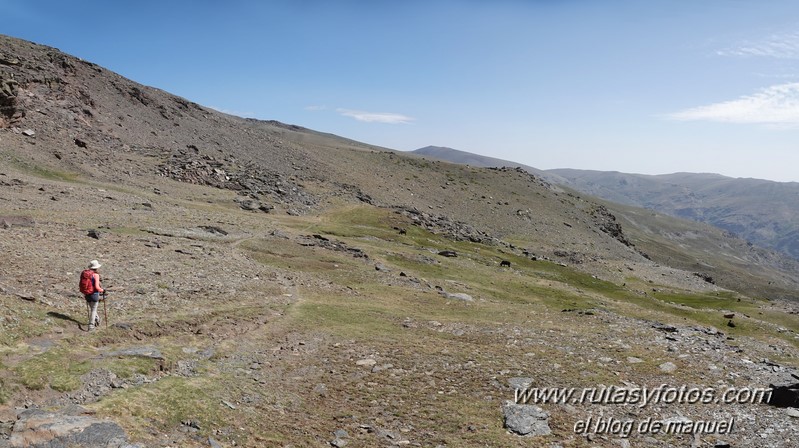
(635, 86)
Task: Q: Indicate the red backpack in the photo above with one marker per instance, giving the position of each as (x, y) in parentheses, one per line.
(86, 283)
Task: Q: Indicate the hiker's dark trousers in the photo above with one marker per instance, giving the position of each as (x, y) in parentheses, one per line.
(92, 300)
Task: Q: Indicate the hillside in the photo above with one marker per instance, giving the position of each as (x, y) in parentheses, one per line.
(763, 212)
(732, 260)
(276, 286)
(468, 158)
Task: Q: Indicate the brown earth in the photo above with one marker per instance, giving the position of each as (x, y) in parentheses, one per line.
(272, 284)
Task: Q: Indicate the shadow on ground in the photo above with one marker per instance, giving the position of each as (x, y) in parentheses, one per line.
(64, 317)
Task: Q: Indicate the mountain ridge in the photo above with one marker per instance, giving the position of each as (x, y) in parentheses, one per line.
(271, 285)
(761, 211)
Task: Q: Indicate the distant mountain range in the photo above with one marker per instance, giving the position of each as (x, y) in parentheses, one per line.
(763, 212)
(350, 259)
(468, 158)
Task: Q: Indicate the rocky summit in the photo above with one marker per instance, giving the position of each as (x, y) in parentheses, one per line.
(270, 285)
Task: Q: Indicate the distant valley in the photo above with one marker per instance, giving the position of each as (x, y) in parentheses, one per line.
(763, 212)
(271, 285)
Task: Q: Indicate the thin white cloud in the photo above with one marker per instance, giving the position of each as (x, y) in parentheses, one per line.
(376, 117)
(315, 108)
(780, 46)
(775, 106)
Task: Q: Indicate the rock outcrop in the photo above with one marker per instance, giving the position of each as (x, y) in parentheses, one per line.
(36, 428)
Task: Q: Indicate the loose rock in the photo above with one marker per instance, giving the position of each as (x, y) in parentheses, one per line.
(668, 367)
(525, 419)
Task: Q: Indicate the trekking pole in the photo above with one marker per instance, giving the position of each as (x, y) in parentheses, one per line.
(105, 309)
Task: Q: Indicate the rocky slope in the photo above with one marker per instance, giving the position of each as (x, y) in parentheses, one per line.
(760, 211)
(90, 122)
(276, 286)
(468, 158)
(748, 250)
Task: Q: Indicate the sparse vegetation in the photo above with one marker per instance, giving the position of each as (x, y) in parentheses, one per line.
(41, 171)
(336, 309)
(57, 369)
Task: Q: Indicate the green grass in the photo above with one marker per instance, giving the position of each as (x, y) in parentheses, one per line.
(372, 313)
(357, 317)
(22, 320)
(359, 221)
(169, 401)
(32, 169)
(288, 255)
(728, 301)
(529, 283)
(514, 327)
(129, 366)
(57, 368)
(5, 390)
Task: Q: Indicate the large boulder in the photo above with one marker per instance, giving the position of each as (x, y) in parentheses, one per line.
(784, 390)
(36, 428)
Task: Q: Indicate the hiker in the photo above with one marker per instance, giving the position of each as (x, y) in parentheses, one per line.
(91, 289)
